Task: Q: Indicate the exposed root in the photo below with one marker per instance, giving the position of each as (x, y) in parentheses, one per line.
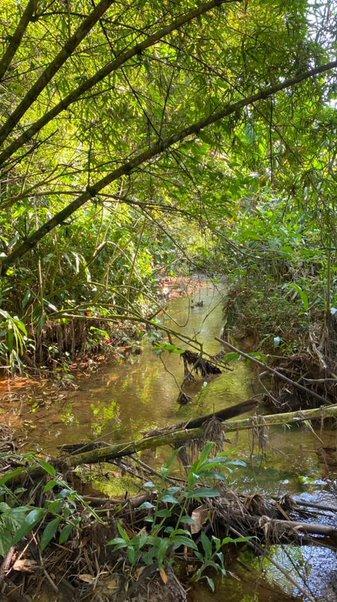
(183, 398)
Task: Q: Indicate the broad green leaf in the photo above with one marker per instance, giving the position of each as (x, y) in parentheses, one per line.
(169, 499)
(49, 468)
(28, 524)
(65, 533)
(181, 540)
(210, 582)
(203, 492)
(49, 532)
(146, 506)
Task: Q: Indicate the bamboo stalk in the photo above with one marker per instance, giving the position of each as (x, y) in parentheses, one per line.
(150, 153)
(224, 414)
(176, 437)
(329, 411)
(16, 38)
(47, 75)
(325, 507)
(312, 528)
(118, 450)
(106, 70)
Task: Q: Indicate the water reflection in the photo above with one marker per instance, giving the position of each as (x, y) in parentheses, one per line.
(120, 402)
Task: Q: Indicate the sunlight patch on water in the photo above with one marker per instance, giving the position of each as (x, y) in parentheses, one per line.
(120, 402)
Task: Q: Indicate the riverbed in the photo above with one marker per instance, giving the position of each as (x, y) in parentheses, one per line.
(121, 401)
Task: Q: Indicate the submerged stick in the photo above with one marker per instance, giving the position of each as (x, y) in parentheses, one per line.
(273, 371)
(259, 549)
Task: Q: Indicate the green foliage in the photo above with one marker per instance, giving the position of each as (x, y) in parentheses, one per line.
(254, 194)
(279, 283)
(13, 339)
(57, 519)
(303, 295)
(170, 347)
(170, 529)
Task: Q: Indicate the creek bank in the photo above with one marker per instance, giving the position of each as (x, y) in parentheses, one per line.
(66, 545)
(72, 348)
(63, 343)
(103, 409)
(306, 354)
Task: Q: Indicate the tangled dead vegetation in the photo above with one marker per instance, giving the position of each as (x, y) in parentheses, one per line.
(304, 369)
(195, 362)
(302, 347)
(83, 566)
(315, 369)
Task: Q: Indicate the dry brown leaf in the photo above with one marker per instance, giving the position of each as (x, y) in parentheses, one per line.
(111, 584)
(199, 516)
(86, 578)
(24, 565)
(164, 576)
(139, 572)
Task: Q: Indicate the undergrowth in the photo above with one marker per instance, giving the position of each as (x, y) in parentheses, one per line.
(36, 519)
(281, 280)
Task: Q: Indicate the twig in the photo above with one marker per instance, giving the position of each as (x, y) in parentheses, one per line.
(285, 573)
(273, 371)
(314, 505)
(151, 470)
(48, 577)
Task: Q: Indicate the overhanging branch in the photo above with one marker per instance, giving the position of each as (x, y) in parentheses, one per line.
(150, 153)
(56, 64)
(17, 37)
(93, 81)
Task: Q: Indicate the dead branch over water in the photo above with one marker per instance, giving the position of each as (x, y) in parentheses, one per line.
(172, 437)
(267, 520)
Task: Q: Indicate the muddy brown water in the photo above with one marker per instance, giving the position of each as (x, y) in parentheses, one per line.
(121, 401)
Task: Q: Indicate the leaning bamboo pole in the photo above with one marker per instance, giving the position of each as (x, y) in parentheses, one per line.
(258, 362)
(328, 411)
(118, 450)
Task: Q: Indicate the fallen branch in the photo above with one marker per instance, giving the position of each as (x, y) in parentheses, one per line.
(118, 450)
(300, 527)
(225, 414)
(176, 437)
(222, 415)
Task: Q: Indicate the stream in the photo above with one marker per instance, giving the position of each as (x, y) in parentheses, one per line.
(120, 401)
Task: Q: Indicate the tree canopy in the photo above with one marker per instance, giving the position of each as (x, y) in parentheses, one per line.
(132, 131)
